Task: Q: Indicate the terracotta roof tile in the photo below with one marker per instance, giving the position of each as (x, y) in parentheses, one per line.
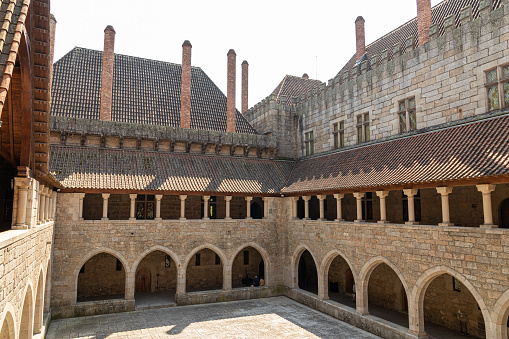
(292, 86)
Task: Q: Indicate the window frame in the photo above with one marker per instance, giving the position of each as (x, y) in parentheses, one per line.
(362, 126)
(406, 112)
(145, 202)
(309, 142)
(498, 84)
(338, 134)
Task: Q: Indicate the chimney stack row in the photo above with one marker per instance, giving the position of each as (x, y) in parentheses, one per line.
(423, 20)
(107, 73)
(360, 37)
(230, 90)
(185, 89)
(245, 67)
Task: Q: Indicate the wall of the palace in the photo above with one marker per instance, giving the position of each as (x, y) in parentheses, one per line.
(24, 268)
(446, 77)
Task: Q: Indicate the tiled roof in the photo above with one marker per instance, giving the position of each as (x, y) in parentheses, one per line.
(400, 34)
(144, 92)
(293, 86)
(12, 18)
(99, 168)
(467, 151)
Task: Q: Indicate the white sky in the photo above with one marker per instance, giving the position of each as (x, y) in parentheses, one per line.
(276, 37)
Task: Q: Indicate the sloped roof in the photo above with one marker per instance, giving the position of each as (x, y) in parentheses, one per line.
(100, 168)
(402, 33)
(144, 92)
(292, 86)
(468, 151)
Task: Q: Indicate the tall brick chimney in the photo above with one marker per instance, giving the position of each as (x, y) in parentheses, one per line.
(245, 67)
(107, 73)
(360, 37)
(185, 90)
(423, 20)
(230, 100)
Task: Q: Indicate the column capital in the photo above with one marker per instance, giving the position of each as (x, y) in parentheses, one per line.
(486, 188)
(249, 198)
(183, 197)
(410, 192)
(321, 197)
(382, 194)
(267, 199)
(306, 198)
(133, 196)
(81, 195)
(339, 196)
(444, 190)
(359, 195)
(159, 196)
(106, 195)
(206, 197)
(228, 198)
(295, 198)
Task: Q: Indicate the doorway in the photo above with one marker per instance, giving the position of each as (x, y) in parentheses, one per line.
(143, 280)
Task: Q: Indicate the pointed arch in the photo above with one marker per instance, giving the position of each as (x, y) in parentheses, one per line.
(166, 250)
(416, 313)
(500, 316)
(39, 301)
(294, 269)
(8, 322)
(211, 247)
(325, 266)
(27, 313)
(263, 253)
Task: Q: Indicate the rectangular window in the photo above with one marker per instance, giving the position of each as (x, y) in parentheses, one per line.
(246, 257)
(363, 128)
(497, 87)
(197, 260)
(145, 207)
(338, 132)
(367, 206)
(309, 140)
(167, 261)
(406, 113)
(456, 284)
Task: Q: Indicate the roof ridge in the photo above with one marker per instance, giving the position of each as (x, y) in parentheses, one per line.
(281, 88)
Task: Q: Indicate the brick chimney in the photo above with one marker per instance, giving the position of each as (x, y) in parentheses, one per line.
(230, 100)
(423, 20)
(360, 37)
(107, 73)
(305, 76)
(52, 29)
(245, 67)
(185, 90)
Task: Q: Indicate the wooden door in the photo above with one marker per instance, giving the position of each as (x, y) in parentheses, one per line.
(142, 280)
(349, 282)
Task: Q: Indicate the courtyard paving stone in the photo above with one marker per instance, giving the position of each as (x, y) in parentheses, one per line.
(278, 317)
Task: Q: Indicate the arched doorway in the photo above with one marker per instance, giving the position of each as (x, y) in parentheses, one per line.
(27, 314)
(8, 330)
(102, 277)
(387, 297)
(204, 271)
(449, 305)
(504, 213)
(155, 280)
(39, 304)
(341, 282)
(307, 273)
(247, 266)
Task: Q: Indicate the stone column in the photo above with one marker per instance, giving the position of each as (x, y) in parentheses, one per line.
(383, 211)
(48, 202)
(410, 193)
(130, 279)
(42, 216)
(206, 199)
(266, 201)
(53, 204)
(339, 213)
(183, 215)
(181, 276)
(39, 204)
(249, 199)
(132, 215)
(158, 206)
(486, 203)
(306, 207)
(227, 277)
(359, 196)
(22, 184)
(295, 201)
(444, 194)
(321, 199)
(227, 199)
(81, 196)
(106, 196)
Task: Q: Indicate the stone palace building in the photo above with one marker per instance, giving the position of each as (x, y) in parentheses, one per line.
(380, 197)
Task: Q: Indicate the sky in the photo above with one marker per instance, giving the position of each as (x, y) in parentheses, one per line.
(276, 37)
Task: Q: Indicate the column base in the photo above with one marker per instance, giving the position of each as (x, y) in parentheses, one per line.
(322, 219)
(383, 222)
(182, 219)
(228, 218)
(105, 218)
(132, 218)
(249, 218)
(446, 224)
(358, 220)
(19, 227)
(205, 218)
(339, 220)
(489, 226)
(306, 219)
(158, 219)
(411, 223)
(81, 218)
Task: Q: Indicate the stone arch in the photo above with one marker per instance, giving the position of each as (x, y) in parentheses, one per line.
(39, 301)
(324, 268)
(364, 275)
(26, 322)
(166, 250)
(500, 315)
(93, 253)
(294, 266)
(47, 287)
(263, 253)
(8, 321)
(416, 313)
(222, 256)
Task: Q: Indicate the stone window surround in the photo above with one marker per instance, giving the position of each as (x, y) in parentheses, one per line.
(407, 112)
(364, 122)
(501, 80)
(395, 108)
(311, 141)
(481, 76)
(340, 132)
